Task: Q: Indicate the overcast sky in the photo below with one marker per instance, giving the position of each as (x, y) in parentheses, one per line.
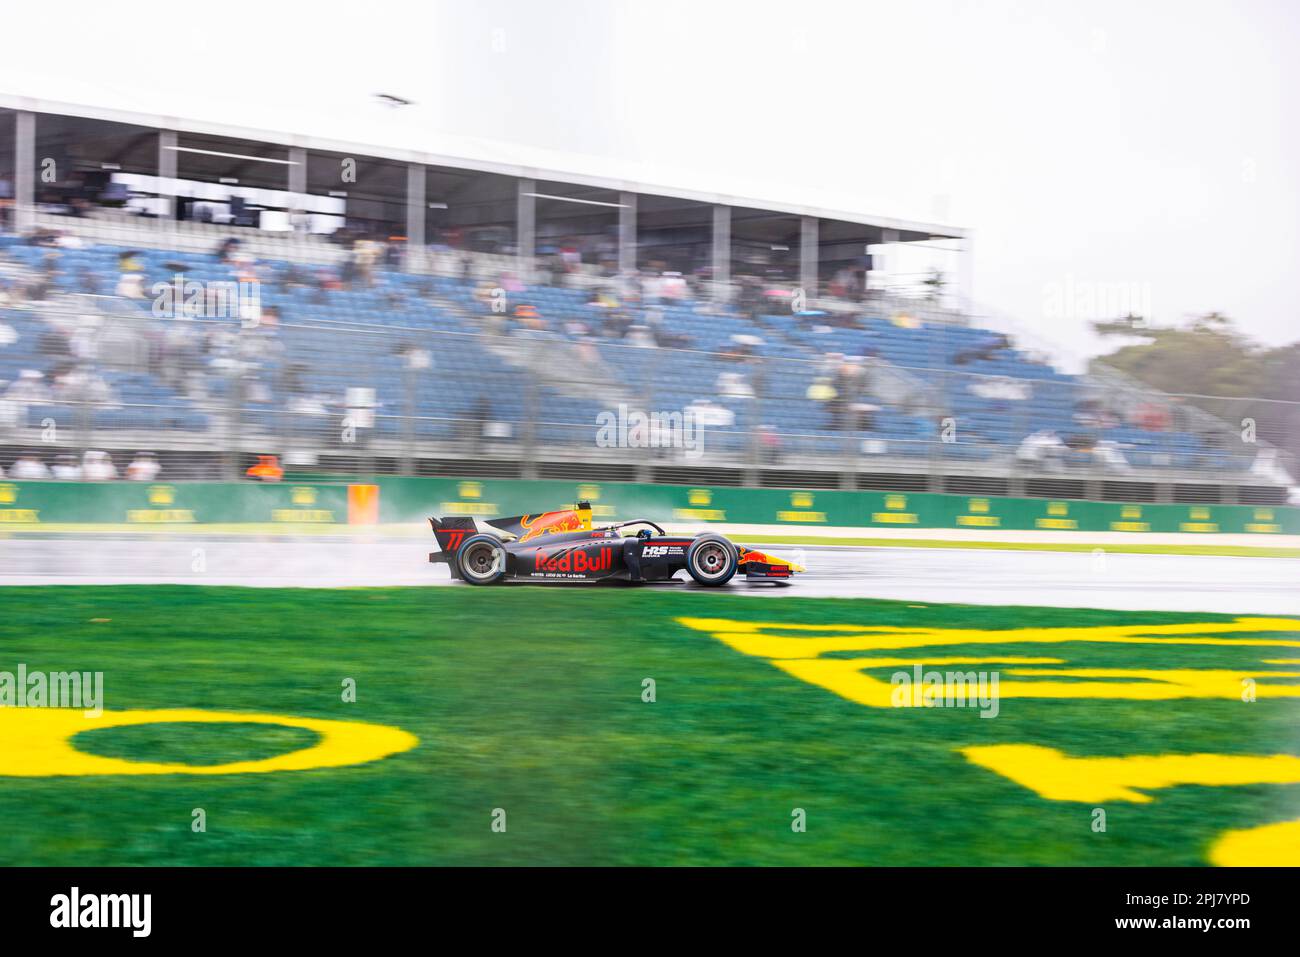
(1101, 152)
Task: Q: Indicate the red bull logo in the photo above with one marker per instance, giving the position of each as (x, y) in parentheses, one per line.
(553, 523)
(576, 561)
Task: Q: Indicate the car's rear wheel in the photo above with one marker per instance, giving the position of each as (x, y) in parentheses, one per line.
(712, 560)
(481, 560)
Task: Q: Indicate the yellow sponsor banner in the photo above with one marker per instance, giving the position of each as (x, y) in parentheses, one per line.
(165, 516)
(1056, 519)
(700, 514)
(1264, 522)
(793, 516)
(306, 516)
(1056, 523)
(1199, 520)
(467, 508)
(19, 516)
(894, 518)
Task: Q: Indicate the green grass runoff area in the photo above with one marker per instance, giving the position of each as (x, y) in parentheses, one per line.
(529, 699)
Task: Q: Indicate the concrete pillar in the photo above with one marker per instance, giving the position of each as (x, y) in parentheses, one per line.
(808, 257)
(966, 273)
(627, 233)
(167, 178)
(525, 229)
(416, 209)
(883, 259)
(297, 189)
(24, 169)
(721, 253)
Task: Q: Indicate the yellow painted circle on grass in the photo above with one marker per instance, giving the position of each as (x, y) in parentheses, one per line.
(1271, 845)
(37, 742)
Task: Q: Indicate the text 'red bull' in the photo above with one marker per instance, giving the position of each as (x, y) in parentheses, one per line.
(576, 560)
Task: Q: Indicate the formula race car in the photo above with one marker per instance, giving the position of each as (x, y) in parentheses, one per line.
(563, 546)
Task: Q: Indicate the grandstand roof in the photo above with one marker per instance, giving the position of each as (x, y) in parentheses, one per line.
(484, 156)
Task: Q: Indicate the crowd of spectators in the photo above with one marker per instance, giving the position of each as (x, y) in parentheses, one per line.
(249, 355)
(94, 466)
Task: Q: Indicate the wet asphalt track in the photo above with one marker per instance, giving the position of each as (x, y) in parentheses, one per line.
(1261, 586)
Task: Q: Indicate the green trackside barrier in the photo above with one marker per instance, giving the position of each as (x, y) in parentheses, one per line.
(403, 499)
(325, 500)
(170, 503)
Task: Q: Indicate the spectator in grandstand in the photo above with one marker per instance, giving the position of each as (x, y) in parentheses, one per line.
(740, 347)
(862, 416)
(42, 236)
(1268, 466)
(846, 384)
(983, 351)
(83, 343)
(616, 324)
(28, 388)
(266, 469)
(527, 316)
(315, 404)
(143, 468)
(1151, 416)
(42, 282)
(29, 467)
(81, 384)
(1042, 448)
(1092, 413)
(821, 390)
(227, 250)
(769, 444)
(474, 428)
(366, 254)
(130, 286)
(709, 413)
(1001, 387)
(640, 336)
(1110, 457)
(88, 282)
(97, 466)
(66, 468)
(734, 385)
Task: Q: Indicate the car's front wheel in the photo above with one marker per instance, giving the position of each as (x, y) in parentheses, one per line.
(481, 560)
(712, 560)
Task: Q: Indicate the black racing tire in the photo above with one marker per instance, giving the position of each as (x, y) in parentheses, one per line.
(481, 560)
(712, 560)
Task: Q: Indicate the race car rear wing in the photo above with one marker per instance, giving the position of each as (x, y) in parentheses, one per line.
(449, 533)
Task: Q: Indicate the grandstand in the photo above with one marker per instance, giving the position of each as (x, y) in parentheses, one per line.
(532, 305)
